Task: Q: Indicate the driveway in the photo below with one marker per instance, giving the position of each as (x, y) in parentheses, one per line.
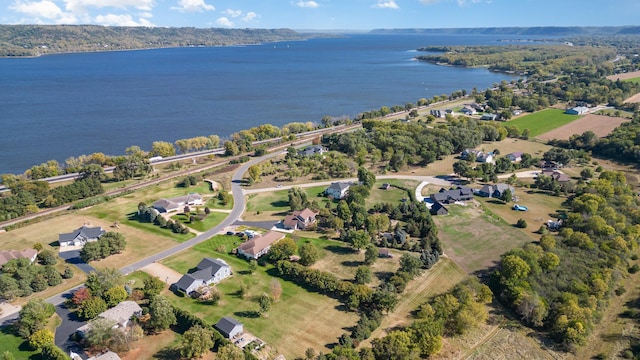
(73, 257)
(168, 275)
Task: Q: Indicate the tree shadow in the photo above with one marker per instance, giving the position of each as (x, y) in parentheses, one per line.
(168, 353)
(383, 275)
(279, 203)
(351, 263)
(249, 314)
(339, 250)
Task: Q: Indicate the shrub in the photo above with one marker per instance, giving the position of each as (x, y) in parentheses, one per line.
(521, 223)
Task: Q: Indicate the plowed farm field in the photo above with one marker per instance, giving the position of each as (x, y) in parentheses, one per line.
(601, 125)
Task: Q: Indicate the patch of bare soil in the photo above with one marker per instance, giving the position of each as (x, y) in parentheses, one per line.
(624, 76)
(601, 125)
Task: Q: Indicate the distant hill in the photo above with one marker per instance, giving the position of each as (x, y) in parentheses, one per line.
(34, 40)
(532, 31)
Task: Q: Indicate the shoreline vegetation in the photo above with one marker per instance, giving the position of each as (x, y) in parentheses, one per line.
(25, 41)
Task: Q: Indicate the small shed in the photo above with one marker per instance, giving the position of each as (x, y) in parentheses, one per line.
(438, 209)
(229, 327)
(384, 253)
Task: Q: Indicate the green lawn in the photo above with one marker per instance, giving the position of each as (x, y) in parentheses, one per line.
(543, 121)
(214, 218)
(16, 345)
(635, 79)
(278, 201)
(299, 320)
(394, 195)
(214, 203)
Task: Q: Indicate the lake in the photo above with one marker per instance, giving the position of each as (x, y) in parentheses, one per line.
(57, 106)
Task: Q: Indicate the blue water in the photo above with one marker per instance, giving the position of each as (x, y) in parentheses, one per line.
(57, 106)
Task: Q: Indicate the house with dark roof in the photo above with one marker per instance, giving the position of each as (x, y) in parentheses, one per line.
(515, 156)
(488, 116)
(177, 203)
(80, 236)
(384, 253)
(484, 157)
(438, 209)
(461, 193)
(466, 153)
(208, 271)
(338, 190)
(229, 327)
(495, 191)
(259, 245)
(468, 110)
(556, 175)
(6, 255)
(312, 151)
(300, 219)
(437, 113)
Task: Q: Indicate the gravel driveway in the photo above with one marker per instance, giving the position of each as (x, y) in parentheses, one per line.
(162, 272)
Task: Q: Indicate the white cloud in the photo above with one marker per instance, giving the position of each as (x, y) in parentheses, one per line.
(386, 4)
(193, 6)
(146, 14)
(224, 21)
(120, 20)
(307, 4)
(44, 9)
(429, 2)
(232, 13)
(250, 16)
(82, 5)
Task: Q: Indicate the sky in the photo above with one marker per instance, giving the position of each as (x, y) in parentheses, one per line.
(323, 14)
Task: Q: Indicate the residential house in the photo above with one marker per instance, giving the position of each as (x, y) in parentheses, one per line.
(495, 191)
(208, 271)
(312, 150)
(461, 193)
(259, 245)
(437, 113)
(489, 116)
(7, 255)
(516, 112)
(578, 110)
(384, 253)
(464, 155)
(80, 236)
(229, 327)
(120, 315)
(338, 190)
(177, 203)
(548, 164)
(386, 186)
(438, 209)
(401, 236)
(477, 107)
(515, 156)
(300, 219)
(556, 175)
(468, 110)
(485, 157)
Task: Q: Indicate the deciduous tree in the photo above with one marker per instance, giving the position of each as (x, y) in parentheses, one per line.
(196, 341)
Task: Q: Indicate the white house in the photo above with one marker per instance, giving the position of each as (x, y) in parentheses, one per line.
(338, 190)
(485, 157)
(229, 327)
(80, 236)
(578, 110)
(515, 156)
(178, 203)
(209, 271)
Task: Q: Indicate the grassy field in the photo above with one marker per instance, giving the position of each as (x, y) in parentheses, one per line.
(440, 278)
(275, 205)
(14, 344)
(213, 219)
(393, 195)
(299, 320)
(474, 238)
(635, 80)
(612, 112)
(542, 121)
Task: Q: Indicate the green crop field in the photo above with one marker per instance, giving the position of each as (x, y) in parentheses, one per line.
(635, 79)
(543, 121)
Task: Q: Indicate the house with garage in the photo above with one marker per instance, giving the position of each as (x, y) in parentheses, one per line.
(338, 190)
(578, 110)
(259, 245)
(80, 236)
(229, 327)
(515, 156)
(556, 175)
(208, 271)
(300, 220)
(485, 157)
(177, 203)
(438, 209)
(120, 315)
(468, 110)
(312, 151)
(461, 193)
(495, 191)
(489, 116)
(6, 255)
(437, 113)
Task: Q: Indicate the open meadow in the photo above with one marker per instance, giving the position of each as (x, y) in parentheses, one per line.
(275, 205)
(601, 125)
(542, 121)
(298, 320)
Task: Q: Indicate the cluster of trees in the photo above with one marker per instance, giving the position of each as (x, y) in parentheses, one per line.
(108, 244)
(150, 215)
(187, 181)
(21, 278)
(329, 165)
(32, 321)
(561, 284)
(28, 197)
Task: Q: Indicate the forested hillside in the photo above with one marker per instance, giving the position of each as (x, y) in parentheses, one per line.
(34, 40)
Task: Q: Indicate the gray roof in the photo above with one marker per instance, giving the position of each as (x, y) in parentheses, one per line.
(206, 269)
(227, 324)
(339, 186)
(122, 312)
(86, 232)
(311, 150)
